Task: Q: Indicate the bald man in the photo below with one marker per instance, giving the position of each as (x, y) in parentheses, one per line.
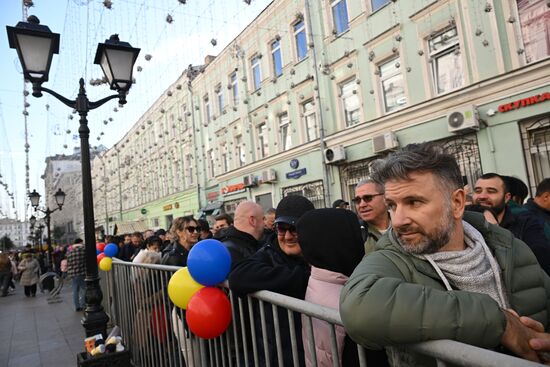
(242, 239)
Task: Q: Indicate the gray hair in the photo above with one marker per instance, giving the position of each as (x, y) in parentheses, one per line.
(423, 158)
(369, 180)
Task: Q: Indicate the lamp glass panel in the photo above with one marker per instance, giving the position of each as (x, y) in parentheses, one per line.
(35, 51)
(60, 198)
(121, 63)
(106, 68)
(35, 198)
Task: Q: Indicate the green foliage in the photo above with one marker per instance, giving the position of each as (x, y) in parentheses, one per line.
(6, 243)
(58, 232)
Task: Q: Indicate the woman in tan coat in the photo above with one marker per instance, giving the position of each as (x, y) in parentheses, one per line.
(30, 269)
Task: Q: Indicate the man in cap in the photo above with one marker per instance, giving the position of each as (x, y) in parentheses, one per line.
(278, 267)
(340, 204)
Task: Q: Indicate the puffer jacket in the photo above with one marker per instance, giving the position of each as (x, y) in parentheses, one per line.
(323, 289)
(29, 272)
(393, 298)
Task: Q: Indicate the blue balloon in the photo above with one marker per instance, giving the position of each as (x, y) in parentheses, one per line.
(97, 252)
(209, 262)
(111, 250)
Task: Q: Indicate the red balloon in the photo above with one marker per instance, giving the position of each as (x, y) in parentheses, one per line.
(100, 246)
(208, 313)
(99, 257)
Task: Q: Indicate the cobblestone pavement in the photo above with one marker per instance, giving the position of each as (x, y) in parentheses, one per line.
(35, 333)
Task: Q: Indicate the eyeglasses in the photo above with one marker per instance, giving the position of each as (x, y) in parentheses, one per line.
(192, 229)
(366, 198)
(282, 228)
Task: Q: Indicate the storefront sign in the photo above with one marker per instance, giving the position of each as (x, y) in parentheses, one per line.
(233, 189)
(167, 207)
(296, 174)
(212, 196)
(524, 102)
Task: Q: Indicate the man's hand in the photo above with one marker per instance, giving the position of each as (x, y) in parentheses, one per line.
(517, 336)
(540, 344)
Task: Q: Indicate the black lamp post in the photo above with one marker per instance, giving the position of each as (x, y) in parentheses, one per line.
(39, 232)
(35, 46)
(59, 200)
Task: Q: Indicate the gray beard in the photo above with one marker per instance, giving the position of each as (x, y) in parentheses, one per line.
(431, 243)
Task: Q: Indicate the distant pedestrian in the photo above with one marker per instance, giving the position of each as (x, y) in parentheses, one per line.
(340, 204)
(5, 274)
(30, 271)
(76, 268)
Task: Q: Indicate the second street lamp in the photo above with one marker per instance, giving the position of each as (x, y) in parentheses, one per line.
(117, 61)
(35, 200)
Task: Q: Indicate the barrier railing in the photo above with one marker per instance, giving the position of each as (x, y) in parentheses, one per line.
(265, 330)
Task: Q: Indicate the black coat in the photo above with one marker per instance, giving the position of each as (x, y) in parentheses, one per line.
(541, 214)
(528, 228)
(177, 256)
(240, 244)
(271, 269)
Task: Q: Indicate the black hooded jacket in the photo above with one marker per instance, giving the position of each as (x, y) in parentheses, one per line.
(271, 269)
(240, 244)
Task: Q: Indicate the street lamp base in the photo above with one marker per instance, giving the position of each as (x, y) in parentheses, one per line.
(95, 319)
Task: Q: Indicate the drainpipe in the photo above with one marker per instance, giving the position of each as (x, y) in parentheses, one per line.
(202, 198)
(319, 109)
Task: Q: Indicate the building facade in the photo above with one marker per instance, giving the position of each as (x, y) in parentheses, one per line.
(17, 231)
(311, 92)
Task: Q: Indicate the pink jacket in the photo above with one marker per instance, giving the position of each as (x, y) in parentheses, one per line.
(323, 289)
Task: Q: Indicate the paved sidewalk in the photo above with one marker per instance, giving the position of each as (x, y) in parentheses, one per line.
(35, 333)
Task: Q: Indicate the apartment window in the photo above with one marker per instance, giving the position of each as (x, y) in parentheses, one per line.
(207, 110)
(446, 63)
(310, 120)
(340, 16)
(211, 163)
(234, 88)
(350, 102)
(173, 129)
(392, 85)
(285, 132)
(256, 72)
(189, 166)
(263, 141)
(184, 116)
(221, 102)
(534, 18)
(240, 155)
(224, 158)
(377, 4)
(300, 39)
(276, 58)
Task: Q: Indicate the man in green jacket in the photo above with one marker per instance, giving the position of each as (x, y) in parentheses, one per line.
(440, 273)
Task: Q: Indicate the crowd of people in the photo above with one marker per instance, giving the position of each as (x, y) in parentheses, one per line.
(421, 257)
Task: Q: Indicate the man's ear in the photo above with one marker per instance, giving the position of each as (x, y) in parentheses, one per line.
(507, 197)
(458, 200)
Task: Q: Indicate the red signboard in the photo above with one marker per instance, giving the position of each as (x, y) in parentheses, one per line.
(516, 105)
(233, 188)
(212, 196)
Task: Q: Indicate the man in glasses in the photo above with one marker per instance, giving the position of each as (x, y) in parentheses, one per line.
(241, 239)
(370, 206)
(278, 267)
(441, 272)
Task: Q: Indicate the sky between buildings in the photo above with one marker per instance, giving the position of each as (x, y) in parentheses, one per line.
(173, 44)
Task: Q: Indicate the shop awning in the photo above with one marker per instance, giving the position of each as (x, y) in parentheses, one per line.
(130, 227)
(212, 206)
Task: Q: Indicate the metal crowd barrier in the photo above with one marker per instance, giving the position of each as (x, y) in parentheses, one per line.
(136, 298)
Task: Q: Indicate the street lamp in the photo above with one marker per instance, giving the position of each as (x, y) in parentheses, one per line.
(35, 200)
(35, 46)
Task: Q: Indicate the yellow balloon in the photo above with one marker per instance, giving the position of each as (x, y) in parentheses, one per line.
(45, 247)
(182, 287)
(106, 264)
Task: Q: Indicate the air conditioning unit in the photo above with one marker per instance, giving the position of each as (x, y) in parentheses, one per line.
(463, 119)
(335, 154)
(269, 175)
(249, 181)
(384, 142)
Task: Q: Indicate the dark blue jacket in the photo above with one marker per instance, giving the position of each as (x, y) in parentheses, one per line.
(525, 226)
(540, 213)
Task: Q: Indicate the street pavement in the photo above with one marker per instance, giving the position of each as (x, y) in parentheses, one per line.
(34, 333)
